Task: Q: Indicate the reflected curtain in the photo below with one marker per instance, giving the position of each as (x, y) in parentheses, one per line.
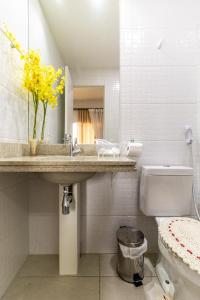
(85, 128)
(96, 115)
(90, 125)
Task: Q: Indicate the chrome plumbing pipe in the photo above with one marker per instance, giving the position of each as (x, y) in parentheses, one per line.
(67, 199)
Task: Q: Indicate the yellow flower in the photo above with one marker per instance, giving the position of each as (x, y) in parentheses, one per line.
(14, 43)
(44, 82)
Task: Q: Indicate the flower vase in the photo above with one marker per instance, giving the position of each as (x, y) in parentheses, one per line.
(33, 146)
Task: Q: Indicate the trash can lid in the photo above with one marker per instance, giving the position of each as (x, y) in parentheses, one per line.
(130, 236)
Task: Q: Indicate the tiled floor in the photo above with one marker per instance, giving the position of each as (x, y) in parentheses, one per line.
(97, 280)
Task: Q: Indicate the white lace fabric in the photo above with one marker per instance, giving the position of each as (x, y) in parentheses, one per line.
(182, 236)
(132, 253)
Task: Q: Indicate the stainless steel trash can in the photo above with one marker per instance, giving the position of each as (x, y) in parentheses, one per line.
(131, 248)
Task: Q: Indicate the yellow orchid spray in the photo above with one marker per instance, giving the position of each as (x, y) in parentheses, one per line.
(43, 82)
(52, 86)
(32, 80)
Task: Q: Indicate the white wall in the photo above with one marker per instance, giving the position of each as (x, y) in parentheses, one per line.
(91, 103)
(13, 128)
(13, 98)
(158, 94)
(43, 217)
(40, 38)
(158, 86)
(108, 202)
(15, 221)
(13, 227)
(43, 196)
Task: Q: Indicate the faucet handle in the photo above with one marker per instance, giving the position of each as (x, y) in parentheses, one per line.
(67, 138)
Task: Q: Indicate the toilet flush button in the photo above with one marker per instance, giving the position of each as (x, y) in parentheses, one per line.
(165, 281)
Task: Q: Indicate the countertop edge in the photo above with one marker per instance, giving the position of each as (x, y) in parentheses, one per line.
(65, 169)
(30, 164)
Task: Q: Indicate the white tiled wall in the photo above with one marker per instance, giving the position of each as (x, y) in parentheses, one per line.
(158, 93)
(40, 38)
(14, 189)
(43, 196)
(13, 226)
(13, 128)
(108, 202)
(158, 86)
(43, 217)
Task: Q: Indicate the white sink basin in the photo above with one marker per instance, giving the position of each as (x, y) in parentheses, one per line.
(66, 178)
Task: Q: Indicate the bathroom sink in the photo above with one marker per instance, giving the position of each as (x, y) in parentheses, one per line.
(66, 178)
(66, 170)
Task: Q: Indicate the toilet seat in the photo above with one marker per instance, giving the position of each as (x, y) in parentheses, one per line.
(181, 236)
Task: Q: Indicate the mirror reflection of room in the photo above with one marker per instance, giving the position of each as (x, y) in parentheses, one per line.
(91, 62)
(88, 114)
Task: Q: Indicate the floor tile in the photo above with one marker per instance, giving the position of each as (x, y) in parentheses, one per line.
(40, 265)
(153, 258)
(53, 288)
(89, 265)
(149, 264)
(113, 288)
(47, 265)
(38, 279)
(108, 265)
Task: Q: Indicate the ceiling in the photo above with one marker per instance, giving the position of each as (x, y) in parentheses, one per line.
(88, 93)
(86, 31)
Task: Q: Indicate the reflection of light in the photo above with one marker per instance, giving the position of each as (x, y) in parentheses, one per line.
(116, 86)
(98, 4)
(75, 130)
(59, 1)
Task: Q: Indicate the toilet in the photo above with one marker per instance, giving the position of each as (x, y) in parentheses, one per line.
(166, 194)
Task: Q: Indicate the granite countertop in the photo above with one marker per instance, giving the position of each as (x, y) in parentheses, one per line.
(62, 163)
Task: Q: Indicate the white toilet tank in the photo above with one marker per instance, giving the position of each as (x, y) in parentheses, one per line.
(166, 190)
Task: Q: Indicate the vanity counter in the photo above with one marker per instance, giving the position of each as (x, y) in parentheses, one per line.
(54, 163)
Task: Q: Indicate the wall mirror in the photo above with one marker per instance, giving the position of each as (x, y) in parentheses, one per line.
(83, 39)
(13, 98)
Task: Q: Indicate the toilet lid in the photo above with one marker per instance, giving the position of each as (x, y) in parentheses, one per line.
(182, 236)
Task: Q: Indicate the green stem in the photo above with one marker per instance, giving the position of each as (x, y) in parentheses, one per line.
(35, 102)
(44, 119)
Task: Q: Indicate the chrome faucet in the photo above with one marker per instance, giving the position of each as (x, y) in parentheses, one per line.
(74, 147)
